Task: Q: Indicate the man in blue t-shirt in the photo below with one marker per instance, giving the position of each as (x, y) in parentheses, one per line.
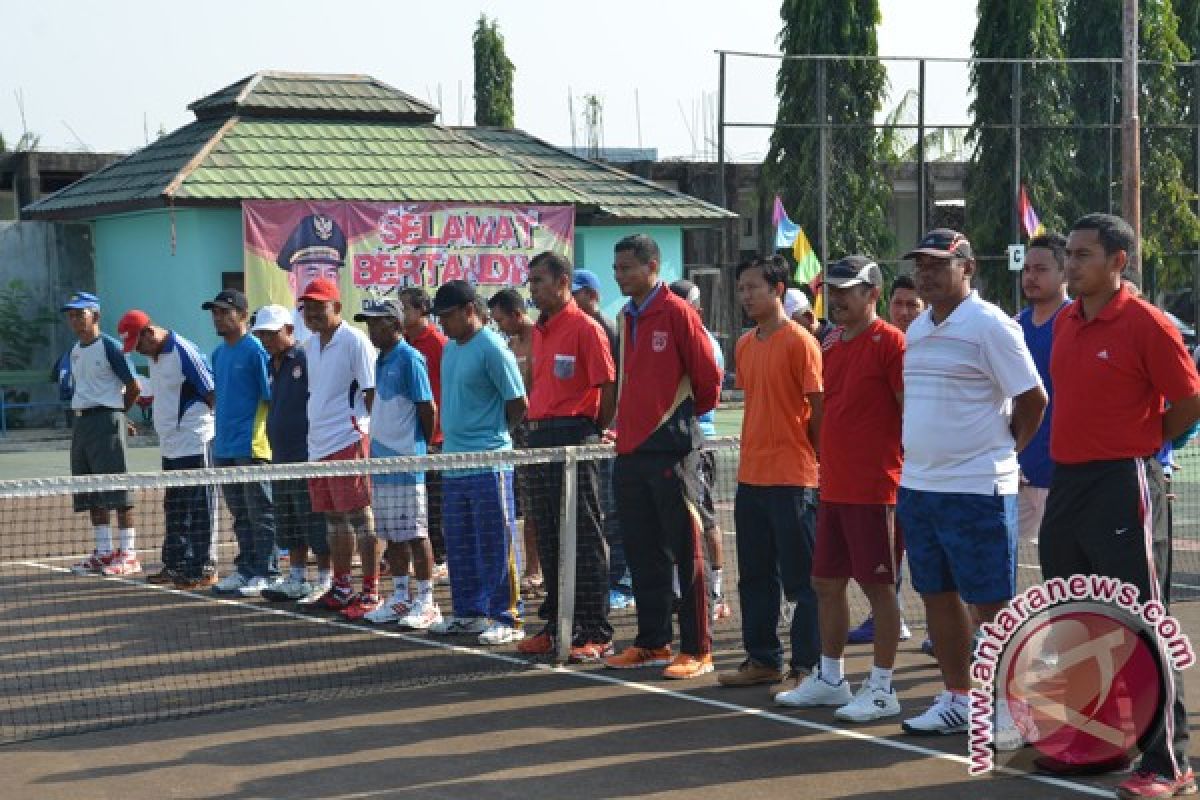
(243, 388)
(403, 420)
(1044, 282)
(483, 398)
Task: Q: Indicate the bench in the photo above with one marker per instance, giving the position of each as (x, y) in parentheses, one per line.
(19, 379)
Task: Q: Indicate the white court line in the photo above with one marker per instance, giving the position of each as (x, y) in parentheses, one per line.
(604, 677)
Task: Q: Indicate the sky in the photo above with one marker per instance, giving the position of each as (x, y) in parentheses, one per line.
(108, 76)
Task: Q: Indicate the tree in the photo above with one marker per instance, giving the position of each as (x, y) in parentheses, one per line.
(1169, 221)
(859, 192)
(493, 77)
(1015, 29)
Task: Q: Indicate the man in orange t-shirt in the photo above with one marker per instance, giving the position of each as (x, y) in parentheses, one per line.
(856, 526)
(779, 369)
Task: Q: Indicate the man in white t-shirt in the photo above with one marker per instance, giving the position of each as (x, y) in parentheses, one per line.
(181, 384)
(103, 389)
(341, 388)
(972, 399)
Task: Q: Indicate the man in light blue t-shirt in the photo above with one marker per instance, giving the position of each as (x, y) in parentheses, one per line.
(483, 398)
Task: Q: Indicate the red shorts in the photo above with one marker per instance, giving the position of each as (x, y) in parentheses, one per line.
(344, 492)
(857, 541)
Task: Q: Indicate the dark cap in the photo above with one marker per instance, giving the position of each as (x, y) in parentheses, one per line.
(942, 243)
(452, 295)
(316, 239)
(687, 291)
(853, 271)
(228, 298)
(380, 308)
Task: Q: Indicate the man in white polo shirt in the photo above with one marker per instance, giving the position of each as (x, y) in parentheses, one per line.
(972, 399)
(341, 388)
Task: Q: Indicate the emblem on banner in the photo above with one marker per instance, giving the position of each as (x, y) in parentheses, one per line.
(659, 342)
(323, 226)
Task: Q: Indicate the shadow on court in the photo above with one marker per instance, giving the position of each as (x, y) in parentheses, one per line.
(529, 734)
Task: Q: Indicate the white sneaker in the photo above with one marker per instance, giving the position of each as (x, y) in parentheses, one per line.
(815, 691)
(501, 633)
(869, 703)
(1013, 731)
(282, 590)
(123, 563)
(947, 715)
(422, 616)
(315, 593)
(231, 583)
(392, 609)
(253, 587)
(451, 626)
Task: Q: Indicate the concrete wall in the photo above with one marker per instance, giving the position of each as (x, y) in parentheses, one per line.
(594, 251)
(52, 260)
(136, 268)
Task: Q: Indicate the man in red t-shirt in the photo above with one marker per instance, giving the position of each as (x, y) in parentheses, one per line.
(860, 471)
(429, 342)
(572, 400)
(1116, 364)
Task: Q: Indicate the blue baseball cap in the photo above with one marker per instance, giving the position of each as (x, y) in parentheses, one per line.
(585, 279)
(83, 300)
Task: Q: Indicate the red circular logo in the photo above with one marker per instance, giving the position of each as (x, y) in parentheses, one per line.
(1083, 685)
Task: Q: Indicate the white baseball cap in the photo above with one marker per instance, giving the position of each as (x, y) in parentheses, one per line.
(271, 318)
(795, 302)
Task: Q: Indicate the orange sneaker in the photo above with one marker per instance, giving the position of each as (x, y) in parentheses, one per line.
(634, 657)
(688, 666)
(540, 645)
(590, 652)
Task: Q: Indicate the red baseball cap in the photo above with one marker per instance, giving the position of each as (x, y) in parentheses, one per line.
(322, 290)
(131, 326)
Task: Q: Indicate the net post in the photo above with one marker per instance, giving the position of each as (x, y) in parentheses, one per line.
(567, 547)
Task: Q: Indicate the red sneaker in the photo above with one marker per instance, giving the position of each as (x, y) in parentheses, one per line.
(361, 605)
(590, 652)
(1151, 784)
(540, 645)
(335, 599)
(93, 564)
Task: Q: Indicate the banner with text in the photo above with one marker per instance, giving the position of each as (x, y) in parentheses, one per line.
(376, 249)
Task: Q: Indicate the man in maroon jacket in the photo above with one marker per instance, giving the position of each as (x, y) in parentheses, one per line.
(667, 377)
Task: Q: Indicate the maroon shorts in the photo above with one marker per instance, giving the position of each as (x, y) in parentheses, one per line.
(857, 541)
(343, 492)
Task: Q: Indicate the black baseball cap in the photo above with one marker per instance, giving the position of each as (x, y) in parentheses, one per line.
(942, 243)
(380, 308)
(686, 291)
(452, 295)
(227, 298)
(853, 271)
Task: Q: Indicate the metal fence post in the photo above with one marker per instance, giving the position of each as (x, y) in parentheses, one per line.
(567, 547)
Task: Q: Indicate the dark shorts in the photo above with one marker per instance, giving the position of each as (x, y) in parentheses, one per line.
(856, 540)
(98, 448)
(961, 542)
(706, 469)
(296, 524)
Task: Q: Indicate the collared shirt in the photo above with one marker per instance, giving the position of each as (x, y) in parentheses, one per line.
(1036, 465)
(287, 415)
(338, 375)
(571, 361)
(1111, 375)
(243, 389)
(401, 382)
(633, 312)
(430, 343)
(100, 372)
(179, 380)
(959, 381)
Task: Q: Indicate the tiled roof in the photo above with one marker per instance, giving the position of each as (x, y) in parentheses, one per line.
(309, 95)
(617, 194)
(243, 147)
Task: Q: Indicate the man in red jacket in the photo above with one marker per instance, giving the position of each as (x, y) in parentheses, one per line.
(667, 377)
